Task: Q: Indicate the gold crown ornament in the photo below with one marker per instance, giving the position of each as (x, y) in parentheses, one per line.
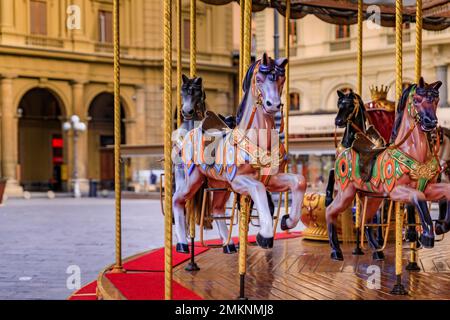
(379, 93)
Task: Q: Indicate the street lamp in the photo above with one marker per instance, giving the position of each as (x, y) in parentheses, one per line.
(77, 126)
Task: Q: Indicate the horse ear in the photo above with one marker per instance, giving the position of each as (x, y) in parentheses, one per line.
(436, 85)
(340, 94)
(184, 78)
(421, 82)
(198, 81)
(281, 62)
(265, 59)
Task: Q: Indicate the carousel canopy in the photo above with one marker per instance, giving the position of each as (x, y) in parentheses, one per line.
(436, 13)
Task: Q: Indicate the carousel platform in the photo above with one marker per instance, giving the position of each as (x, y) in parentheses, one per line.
(294, 269)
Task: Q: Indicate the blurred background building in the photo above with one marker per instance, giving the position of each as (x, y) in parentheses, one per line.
(50, 71)
(323, 60)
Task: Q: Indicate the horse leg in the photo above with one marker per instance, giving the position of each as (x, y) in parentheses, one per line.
(418, 199)
(372, 208)
(342, 201)
(246, 185)
(218, 210)
(330, 188)
(440, 191)
(185, 189)
(297, 185)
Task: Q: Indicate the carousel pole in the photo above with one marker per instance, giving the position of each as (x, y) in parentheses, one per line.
(179, 62)
(413, 257)
(167, 147)
(245, 200)
(192, 266)
(117, 139)
(241, 49)
(358, 251)
(288, 98)
(398, 289)
(412, 265)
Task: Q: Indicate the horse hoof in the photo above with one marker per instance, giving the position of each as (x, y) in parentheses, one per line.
(427, 241)
(283, 224)
(182, 248)
(337, 255)
(441, 227)
(265, 243)
(378, 256)
(411, 235)
(229, 248)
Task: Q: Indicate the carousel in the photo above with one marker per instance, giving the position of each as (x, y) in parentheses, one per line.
(369, 234)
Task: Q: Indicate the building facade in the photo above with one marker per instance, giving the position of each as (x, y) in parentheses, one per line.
(56, 61)
(323, 60)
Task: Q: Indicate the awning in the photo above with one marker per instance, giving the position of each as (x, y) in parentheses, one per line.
(436, 13)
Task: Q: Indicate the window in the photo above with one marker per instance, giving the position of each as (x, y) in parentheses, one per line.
(105, 26)
(342, 32)
(187, 34)
(38, 17)
(294, 101)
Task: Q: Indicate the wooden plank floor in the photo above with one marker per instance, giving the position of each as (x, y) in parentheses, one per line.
(302, 269)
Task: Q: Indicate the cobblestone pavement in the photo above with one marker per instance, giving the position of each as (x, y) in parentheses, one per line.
(41, 238)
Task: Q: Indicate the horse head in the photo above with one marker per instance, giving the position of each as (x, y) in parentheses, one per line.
(348, 105)
(193, 97)
(269, 80)
(425, 100)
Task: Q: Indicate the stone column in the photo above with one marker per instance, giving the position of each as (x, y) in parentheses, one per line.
(9, 138)
(78, 108)
(442, 75)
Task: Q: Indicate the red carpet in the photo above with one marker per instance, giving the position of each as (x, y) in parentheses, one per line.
(148, 286)
(88, 292)
(154, 261)
(147, 283)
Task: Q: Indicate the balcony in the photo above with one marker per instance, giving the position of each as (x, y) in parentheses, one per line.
(106, 47)
(340, 45)
(43, 41)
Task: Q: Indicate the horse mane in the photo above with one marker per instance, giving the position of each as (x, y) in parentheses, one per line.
(400, 111)
(246, 84)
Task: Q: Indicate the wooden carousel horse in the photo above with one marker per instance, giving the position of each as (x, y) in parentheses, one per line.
(405, 171)
(353, 117)
(249, 158)
(193, 112)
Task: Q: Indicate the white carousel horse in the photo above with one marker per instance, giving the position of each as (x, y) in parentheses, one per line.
(248, 159)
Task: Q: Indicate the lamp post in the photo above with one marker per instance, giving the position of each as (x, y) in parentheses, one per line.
(77, 126)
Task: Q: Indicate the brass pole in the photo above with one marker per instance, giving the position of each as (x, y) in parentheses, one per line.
(117, 138)
(360, 46)
(179, 61)
(288, 98)
(241, 48)
(192, 266)
(193, 39)
(418, 67)
(358, 229)
(247, 36)
(193, 73)
(245, 200)
(413, 258)
(167, 147)
(398, 287)
(243, 234)
(398, 49)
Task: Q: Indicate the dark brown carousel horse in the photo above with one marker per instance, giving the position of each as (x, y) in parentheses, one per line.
(406, 171)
